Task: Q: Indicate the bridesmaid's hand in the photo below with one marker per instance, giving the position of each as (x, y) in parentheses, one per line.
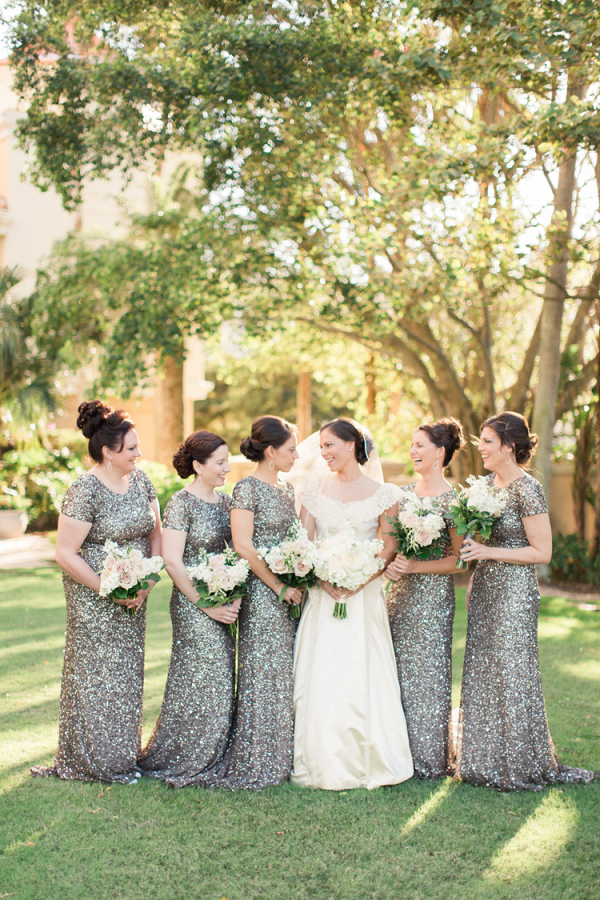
(292, 595)
(141, 596)
(400, 566)
(225, 614)
(471, 550)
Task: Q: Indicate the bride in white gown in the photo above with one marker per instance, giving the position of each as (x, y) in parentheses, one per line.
(350, 730)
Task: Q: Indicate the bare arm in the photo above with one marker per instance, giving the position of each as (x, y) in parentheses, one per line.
(242, 531)
(69, 538)
(173, 543)
(445, 566)
(539, 535)
(308, 520)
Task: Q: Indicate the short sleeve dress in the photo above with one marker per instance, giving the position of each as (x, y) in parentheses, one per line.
(421, 610)
(194, 723)
(504, 741)
(260, 751)
(100, 722)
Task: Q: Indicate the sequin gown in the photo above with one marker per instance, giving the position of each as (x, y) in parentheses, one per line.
(350, 729)
(421, 611)
(100, 722)
(195, 719)
(505, 742)
(259, 753)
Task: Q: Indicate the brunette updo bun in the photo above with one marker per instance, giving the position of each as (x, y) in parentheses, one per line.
(103, 426)
(198, 446)
(513, 430)
(346, 430)
(267, 431)
(446, 433)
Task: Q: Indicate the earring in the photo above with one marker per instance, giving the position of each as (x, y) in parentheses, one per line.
(271, 465)
(436, 464)
(199, 478)
(109, 466)
(508, 459)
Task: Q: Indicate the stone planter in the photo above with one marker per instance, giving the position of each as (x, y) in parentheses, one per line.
(13, 523)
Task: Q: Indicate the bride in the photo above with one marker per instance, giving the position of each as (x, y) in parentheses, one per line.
(350, 730)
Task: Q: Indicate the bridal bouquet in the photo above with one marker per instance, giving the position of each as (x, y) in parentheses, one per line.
(293, 562)
(418, 527)
(475, 509)
(220, 578)
(346, 562)
(126, 571)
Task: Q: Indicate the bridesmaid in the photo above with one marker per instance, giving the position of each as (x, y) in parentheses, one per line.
(421, 608)
(103, 674)
(195, 720)
(260, 751)
(505, 741)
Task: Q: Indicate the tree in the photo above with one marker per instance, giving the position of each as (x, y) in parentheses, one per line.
(369, 164)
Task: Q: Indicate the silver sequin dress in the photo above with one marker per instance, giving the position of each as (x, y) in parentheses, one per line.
(195, 719)
(100, 722)
(421, 611)
(260, 751)
(505, 742)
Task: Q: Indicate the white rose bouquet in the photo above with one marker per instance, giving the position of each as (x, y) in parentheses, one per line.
(346, 562)
(475, 509)
(220, 578)
(419, 528)
(293, 561)
(126, 571)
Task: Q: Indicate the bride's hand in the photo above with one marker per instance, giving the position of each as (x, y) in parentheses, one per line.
(331, 590)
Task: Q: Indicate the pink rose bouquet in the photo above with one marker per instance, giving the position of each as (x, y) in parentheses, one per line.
(126, 571)
(419, 528)
(220, 578)
(293, 562)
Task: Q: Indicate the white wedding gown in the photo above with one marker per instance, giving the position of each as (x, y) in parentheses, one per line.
(350, 730)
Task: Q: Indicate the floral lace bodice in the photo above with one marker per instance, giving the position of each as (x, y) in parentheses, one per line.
(363, 515)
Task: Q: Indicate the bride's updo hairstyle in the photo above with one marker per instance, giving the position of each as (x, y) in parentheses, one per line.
(198, 446)
(513, 430)
(347, 431)
(267, 431)
(446, 433)
(103, 426)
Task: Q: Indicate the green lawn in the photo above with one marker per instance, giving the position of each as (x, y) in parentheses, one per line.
(417, 841)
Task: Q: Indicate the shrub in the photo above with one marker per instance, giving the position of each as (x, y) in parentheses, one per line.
(571, 561)
(10, 499)
(166, 482)
(42, 476)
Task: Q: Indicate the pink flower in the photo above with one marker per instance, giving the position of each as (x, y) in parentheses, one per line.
(127, 580)
(122, 565)
(409, 519)
(302, 568)
(424, 537)
(139, 568)
(278, 565)
(109, 562)
(136, 554)
(218, 561)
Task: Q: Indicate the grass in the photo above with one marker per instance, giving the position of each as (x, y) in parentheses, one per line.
(416, 841)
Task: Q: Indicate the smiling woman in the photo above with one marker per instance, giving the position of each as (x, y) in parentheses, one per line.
(103, 673)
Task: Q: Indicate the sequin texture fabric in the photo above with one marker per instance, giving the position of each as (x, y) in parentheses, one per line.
(421, 611)
(505, 742)
(195, 719)
(260, 750)
(100, 722)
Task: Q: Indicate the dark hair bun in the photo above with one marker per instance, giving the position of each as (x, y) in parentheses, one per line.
(267, 431)
(513, 430)
(447, 433)
(346, 430)
(103, 426)
(199, 446)
(92, 417)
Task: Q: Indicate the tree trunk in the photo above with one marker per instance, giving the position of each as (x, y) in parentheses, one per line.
(596, 539)
(303, 406)
(169, 410)
(544, 409)
(371, 382)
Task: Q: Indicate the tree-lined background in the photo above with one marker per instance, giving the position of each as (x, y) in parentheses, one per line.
(392, 209)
